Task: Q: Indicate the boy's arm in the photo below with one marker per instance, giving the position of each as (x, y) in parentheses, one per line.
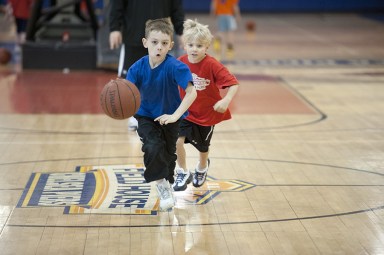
(190, 96)
(222, 105)
(177, 16)
(213, 8)
(116, 20)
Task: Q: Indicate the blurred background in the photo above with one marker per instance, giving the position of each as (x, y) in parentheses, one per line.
(73, 34)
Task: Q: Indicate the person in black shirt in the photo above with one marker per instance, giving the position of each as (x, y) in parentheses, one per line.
(127, 25)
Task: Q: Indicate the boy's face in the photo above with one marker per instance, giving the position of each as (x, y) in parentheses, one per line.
(158, 45)
(196, 50)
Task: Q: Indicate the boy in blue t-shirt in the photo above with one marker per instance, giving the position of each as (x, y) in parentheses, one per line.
(158, 77)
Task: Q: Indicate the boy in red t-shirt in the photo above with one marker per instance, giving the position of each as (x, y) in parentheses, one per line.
(209, 108)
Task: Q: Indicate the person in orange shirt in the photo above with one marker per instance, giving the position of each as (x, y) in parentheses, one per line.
(228, 15)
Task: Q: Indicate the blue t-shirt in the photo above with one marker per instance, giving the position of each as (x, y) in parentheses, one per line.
(159, 87)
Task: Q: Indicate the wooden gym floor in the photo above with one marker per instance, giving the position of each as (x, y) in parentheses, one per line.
(298, 170)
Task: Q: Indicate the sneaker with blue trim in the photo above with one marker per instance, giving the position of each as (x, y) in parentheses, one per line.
(132, 124)
(165, 194)
(200, 176)
(183, 178)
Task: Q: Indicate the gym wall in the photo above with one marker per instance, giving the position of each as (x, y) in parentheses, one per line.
(294, 5)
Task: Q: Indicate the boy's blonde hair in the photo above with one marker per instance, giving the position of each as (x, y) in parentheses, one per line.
(163, 25)
(195, 31)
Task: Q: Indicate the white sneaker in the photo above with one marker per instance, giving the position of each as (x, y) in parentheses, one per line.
(183, 178)
(132, 124)
(200, 175)
(165, 195)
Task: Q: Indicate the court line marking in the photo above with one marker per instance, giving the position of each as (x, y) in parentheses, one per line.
(201, 224)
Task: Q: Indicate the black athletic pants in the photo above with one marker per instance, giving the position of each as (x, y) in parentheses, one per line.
(159, 147)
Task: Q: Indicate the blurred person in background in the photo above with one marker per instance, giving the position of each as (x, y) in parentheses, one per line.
(228, 17)
(20, 10)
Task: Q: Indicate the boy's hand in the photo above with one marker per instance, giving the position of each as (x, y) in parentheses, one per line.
(221, 106)
(115, 40)
(166, 119)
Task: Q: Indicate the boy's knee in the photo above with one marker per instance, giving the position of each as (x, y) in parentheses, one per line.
(153, 147)
(180, 142)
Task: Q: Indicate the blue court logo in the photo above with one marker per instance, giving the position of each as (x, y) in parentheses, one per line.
(113, 189)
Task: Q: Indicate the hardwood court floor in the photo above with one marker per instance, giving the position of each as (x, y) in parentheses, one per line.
(298, 170)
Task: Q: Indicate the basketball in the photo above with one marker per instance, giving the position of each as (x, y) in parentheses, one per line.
(250, 26)
(5, 56)
(120, 99)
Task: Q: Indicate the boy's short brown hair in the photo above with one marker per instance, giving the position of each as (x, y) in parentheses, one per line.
(163, 25)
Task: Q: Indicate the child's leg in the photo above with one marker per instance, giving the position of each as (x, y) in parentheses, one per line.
(165, 194)
(183, 177)
(217, 45)
(201, 170)
(158, 157)
(223, 50)
(230, 45)
(219, 42)
(203, 163)
(159, 147)
(202, 145)
(181, 154)
(230, 40)
(171, 133)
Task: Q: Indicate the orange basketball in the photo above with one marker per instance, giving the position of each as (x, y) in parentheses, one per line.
(120, 99)
(5, 56)
(250, 26)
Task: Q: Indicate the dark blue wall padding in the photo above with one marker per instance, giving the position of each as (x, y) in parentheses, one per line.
(293, 5)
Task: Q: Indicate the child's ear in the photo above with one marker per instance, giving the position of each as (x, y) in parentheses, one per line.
(144, 40)
(172, 44)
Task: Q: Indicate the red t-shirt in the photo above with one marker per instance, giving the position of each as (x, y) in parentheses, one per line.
(209, 76)
(21, 8)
